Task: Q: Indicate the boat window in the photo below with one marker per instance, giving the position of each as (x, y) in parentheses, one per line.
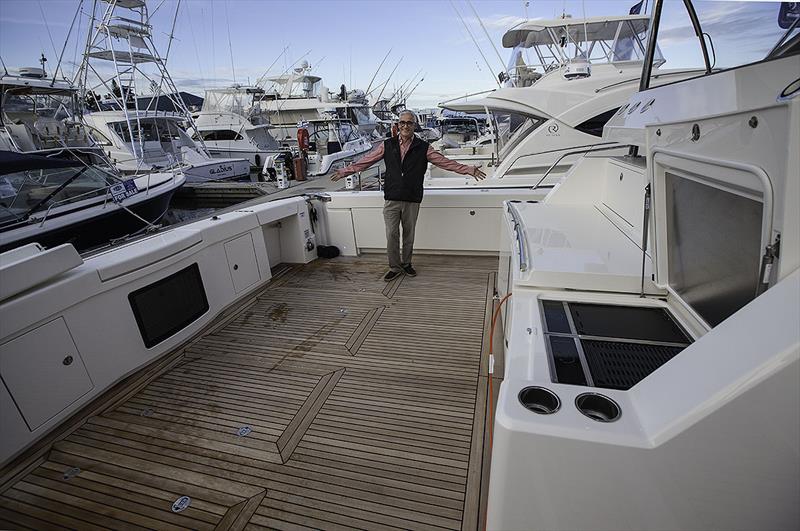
(25, 190)
(221, 134)
(122, 130)
(594, 125)
(736, 33)
(523, 128)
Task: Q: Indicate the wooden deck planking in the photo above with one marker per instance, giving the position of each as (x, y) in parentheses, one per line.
(364, 401)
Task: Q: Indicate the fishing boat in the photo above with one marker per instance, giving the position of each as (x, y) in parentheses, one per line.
(232, 124)
(298, 96)
(41, 115)
(219, 375)
(549, 107)
(54, 201)
(120, 57)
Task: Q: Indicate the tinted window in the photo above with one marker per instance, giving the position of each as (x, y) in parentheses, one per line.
(594, 125)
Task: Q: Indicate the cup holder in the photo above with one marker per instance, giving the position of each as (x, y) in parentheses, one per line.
(598, 407)
(539, 400)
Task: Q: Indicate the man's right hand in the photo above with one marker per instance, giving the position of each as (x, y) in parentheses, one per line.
(338, 174)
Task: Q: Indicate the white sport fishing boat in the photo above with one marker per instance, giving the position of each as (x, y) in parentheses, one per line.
(217, 374)
(552, 106)
(232, 124)
(299, 96)
(41, 115)
(120, 55)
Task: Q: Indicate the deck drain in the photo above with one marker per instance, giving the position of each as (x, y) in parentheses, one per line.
(244, 431)
(181, 504)
(71, 472)
(146, 412)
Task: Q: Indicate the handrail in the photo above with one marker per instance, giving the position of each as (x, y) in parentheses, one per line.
(576, 152)
(519, 230)
(603, 145)
(654, 76)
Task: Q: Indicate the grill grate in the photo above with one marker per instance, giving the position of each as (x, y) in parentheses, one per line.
(619, 365)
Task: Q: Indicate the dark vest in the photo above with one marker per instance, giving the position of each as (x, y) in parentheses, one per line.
(403, 180)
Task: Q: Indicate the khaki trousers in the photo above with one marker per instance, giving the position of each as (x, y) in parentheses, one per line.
(396, 213)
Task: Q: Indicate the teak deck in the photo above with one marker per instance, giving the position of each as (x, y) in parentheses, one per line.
(365, 401)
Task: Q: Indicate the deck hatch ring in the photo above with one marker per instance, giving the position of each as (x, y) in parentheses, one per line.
(146, 412)
(244, 431)
(598, 407)
(539, 400)
(71, 472)
(181, 504)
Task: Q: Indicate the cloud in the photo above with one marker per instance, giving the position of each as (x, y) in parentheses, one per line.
(496, 22)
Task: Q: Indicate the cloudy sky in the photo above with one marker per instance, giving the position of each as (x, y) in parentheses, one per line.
(218, 42)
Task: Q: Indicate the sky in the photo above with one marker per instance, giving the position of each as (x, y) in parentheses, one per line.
(218, 42)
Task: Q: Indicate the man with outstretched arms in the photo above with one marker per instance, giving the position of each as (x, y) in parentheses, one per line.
(406, 157)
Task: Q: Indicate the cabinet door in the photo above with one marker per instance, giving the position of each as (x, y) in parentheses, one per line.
(44, 372)
(242, 262)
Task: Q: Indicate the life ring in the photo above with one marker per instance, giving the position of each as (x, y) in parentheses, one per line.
(302, 139)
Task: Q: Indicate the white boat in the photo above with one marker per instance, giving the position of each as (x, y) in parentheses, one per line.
(41, 115)
(121, 57)
(53, 201)
(197, 379)
(299, 96)
(537, 120)
(232, 124)
(159, 143)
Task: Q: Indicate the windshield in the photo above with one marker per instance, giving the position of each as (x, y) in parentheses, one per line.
(26, 192)
(55, 106)
(737, 33)
(227, 101)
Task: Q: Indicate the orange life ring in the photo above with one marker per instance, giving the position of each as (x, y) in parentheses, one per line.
(302, 139)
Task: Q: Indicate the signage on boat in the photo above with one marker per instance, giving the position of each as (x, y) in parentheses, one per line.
(552, 130)
(222, 168)
(124, 190)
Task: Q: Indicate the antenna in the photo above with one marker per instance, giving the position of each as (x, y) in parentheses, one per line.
(390, 77)
(378, 70)
(55, 72)
(502, 65)
(475, 42)
(415, 87)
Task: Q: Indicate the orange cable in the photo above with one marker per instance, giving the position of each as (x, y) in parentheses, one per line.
(490, 395)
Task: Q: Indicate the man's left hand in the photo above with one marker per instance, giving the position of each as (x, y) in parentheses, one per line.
(477, 173)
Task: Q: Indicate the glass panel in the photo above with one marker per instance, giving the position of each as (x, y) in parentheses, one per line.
(22, 191)
(738, 33)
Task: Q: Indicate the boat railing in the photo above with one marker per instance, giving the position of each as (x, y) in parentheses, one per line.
(519, 231)
(582, 150)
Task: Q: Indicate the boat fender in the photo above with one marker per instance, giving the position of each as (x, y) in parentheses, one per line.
(303, 139)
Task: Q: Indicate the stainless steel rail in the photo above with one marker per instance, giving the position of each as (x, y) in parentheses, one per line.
(519, 230)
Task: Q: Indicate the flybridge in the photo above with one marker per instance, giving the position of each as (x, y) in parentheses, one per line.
(541, 46)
